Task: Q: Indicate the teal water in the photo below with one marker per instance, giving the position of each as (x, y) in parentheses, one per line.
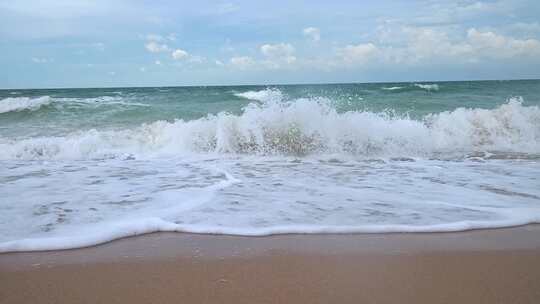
(79, 167)
(72, 110)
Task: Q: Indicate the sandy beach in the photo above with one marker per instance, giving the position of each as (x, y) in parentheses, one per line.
(486, 266)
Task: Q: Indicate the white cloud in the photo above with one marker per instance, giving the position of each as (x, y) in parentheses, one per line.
(358, 54)
(242, 62)
(278, 55)
(428, 43)
(277, 50)
(274, 56)
(425, 45)
(180, 54)
(155, 43)
(493, 45)
(312, 33)
(155, 47)
(142, 69)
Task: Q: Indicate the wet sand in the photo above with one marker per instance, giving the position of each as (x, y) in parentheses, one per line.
(486, 266)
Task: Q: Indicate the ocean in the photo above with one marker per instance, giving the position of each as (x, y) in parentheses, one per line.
(80, 167)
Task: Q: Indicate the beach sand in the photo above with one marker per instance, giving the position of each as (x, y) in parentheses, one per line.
(485, 266)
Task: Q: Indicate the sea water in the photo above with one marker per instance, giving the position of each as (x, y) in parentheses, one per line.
(80, 167)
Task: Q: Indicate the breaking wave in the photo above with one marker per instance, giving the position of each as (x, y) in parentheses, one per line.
(427, 87)
(17, 104)
(413, 87)
(392, 88)
(303, 127)
(267, 95)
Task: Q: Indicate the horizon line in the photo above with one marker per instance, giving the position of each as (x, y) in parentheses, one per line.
(261, 85)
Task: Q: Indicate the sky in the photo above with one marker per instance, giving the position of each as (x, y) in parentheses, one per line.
(105, 43)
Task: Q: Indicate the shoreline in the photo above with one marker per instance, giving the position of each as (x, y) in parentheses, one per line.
(479, 266)
(37, 244)
(174, 243)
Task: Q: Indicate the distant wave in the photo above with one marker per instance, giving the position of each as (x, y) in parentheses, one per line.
(392, 88)
(17, 104)
(267, 95)
(301, 127)
(413, 87)
(101, 100)
(98, 99)
(427, 87)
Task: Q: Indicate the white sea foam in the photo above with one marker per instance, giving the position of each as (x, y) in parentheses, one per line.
(303, 127)
(103, 233)
(88, 203)
(16, 104)
(101, 221)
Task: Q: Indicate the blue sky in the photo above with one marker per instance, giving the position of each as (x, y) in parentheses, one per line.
(84, 43)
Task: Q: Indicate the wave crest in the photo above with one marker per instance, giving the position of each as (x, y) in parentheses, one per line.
(17, 104)
(392, 88)
(413, 87)
(267, 95)
(427, 87)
